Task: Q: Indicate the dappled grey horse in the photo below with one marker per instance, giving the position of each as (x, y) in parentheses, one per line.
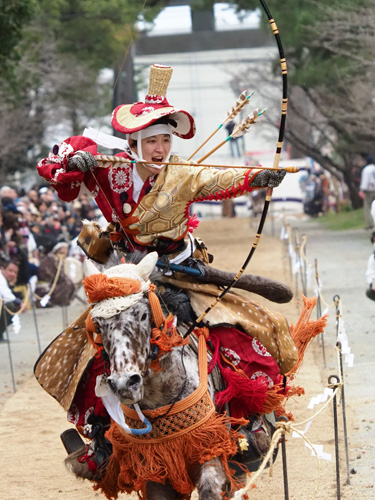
(152, 372)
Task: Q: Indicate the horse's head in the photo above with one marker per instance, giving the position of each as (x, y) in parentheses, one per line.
(122, 315)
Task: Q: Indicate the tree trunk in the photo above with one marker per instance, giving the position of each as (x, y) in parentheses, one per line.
(355, 199)
(74, 121)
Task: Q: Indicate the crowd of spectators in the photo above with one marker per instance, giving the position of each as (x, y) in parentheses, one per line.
(34, 225)
(33, 222)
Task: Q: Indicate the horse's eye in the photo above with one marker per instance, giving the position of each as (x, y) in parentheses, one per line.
(144, 317)
(97, 328)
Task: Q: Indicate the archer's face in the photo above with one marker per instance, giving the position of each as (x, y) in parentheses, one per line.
(155, 149)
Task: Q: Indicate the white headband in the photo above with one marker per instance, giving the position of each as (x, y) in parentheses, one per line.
(158, 129)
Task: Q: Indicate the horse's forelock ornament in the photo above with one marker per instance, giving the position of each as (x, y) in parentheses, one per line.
(119, 287)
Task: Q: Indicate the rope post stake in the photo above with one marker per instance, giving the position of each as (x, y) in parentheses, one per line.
(337, 302)
(297, 257)
(303, 264)
(4, 319)
(64, 311)
(319, 311)
(335, 380)
(32, 302)
(285, 469)
(289, 250)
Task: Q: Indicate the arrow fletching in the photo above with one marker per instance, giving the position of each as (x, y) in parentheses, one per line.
(244, 126)
(242, 101)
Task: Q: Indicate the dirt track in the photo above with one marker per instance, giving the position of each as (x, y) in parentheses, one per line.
(31, 421)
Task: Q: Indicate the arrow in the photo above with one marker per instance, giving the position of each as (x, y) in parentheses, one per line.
(242, 101)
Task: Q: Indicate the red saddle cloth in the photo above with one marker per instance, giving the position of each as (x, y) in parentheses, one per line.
(248, 368)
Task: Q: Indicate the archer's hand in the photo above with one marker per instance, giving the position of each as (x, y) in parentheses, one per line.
(83, 161)
(268, 178)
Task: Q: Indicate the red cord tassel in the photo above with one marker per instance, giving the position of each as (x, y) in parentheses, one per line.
(245, 396)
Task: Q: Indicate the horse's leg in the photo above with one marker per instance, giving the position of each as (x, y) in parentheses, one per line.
(157, 491)
(211, 480)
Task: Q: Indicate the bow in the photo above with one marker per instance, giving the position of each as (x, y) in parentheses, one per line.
(276, 161)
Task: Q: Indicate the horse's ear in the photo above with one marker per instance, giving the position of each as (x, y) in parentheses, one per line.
(147, 265)
(90, 268)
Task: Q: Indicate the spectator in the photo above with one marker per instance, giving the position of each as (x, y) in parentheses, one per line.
(51, 266)
(367, 190)
(8, 204)
(10, 303)
(17, 248)
(3, 241)
(27, 235)
(314, 196)
(233, 143)
(8, 192)
(370, 271)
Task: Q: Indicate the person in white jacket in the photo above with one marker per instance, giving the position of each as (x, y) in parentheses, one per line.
(370, 272)
(9, 301)
(367, 190)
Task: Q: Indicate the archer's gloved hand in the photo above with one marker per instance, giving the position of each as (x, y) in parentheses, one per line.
(83, 161)
(268, 178)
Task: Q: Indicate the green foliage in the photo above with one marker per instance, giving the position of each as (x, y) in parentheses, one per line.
(13, 18)
(342, 221)
(96, 33)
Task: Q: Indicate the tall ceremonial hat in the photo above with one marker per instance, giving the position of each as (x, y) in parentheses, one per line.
(130, 118)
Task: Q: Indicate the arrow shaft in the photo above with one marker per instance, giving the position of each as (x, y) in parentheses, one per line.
(105, 161)
(203, 143)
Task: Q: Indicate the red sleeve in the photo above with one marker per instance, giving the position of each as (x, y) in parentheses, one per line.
(54, 168)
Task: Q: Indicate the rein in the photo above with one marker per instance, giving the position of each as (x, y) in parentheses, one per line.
(93, 336)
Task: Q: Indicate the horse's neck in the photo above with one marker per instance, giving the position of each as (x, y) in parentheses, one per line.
(177, 378)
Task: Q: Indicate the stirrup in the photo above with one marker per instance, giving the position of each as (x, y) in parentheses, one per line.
(71, 440)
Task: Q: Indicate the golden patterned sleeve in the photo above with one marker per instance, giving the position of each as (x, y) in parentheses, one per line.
(217, 184)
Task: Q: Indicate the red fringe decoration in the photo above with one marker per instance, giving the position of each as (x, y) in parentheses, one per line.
(135, 461)
(193, 223)
(166, 339)
(305, 330)
(245, 396)
(275, 400)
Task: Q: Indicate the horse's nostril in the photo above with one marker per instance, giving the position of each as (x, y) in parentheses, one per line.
(135, 380)
(112, 384)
